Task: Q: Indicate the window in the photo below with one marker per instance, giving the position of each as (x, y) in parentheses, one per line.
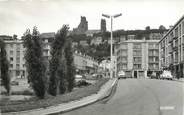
(151, 59)
(151, 45)
(153, 66)
(137, 66)
(17, 66)
(179, 31)
(123, 59)
(18, 46)
(11, 58)
(156, 59)
(183, 27)
(153, 52)
(17, 73)
(176, 32)
(131, 37)
(11, 45)
(18, 53)
(137, 53)
(157, 46)
(122, 52)
(11, 65)
(123, 46)
(137, 59)
(23, 65)
(18, 59)
(11, 52)
(124, 66)
(122, 38)
(137, 46)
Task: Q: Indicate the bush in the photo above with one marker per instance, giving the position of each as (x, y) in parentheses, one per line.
(82, 83)
(25, 92)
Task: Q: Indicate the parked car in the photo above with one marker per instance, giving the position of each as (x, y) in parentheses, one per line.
(78, 77)
(166, 75)
(14, 83)
(153, 76)
(121, 75)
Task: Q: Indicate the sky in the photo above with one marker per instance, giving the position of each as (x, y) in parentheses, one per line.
(49, 15)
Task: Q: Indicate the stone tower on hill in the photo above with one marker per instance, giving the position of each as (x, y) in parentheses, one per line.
(82, 27)
(103, 25)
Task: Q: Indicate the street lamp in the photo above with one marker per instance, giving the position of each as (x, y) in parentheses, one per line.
(111, 17)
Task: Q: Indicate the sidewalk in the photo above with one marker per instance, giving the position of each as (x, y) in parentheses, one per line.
(104, 92)
(180, 80)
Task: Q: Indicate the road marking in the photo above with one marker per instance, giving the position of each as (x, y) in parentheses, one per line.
(167, 107)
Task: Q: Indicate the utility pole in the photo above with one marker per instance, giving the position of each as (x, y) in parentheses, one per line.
(111, 45)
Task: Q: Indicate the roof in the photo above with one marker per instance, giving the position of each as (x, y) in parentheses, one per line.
(6, 37)
(182, 18)
(47, 35)
(92, 31)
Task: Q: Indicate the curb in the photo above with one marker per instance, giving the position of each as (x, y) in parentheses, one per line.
(65, 107)
(178, 80)
(109, 91)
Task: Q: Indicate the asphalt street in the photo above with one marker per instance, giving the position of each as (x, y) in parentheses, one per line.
(139, 97)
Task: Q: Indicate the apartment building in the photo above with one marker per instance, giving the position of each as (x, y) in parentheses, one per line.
(84, 63)
(172, 49)
(137, 52)
(15, 55)
(47, 39)
(136, 57)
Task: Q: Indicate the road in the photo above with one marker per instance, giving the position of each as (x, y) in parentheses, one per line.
(139, 97)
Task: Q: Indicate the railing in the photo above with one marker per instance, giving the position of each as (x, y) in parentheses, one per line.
(153, 61)
(156, 55)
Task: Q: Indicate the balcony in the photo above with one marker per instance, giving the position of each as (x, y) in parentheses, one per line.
(153, 48)
(175, 48)
(170, 51)
(137, 62)
(137, 55)
(153, 55)
(175, 37)
(171, 40)
(150, 61)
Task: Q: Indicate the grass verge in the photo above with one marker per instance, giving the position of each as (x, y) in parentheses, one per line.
(34, 103)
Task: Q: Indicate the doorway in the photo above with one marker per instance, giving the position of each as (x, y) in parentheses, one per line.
(135, 74)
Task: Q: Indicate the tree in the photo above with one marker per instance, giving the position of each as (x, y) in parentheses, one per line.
(70, 65)
(4, 67)
(35, 62)
(58, 69)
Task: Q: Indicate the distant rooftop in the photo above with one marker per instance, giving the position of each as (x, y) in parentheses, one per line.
(47, 35)
(92, 31)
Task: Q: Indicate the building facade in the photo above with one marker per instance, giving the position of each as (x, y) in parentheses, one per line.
(84, 64)
(47, 39)
(136, 57)
(138, 52)
(16, 51)
(15, 55)
(172, 50)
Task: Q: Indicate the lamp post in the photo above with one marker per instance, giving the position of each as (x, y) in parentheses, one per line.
(111, 17)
